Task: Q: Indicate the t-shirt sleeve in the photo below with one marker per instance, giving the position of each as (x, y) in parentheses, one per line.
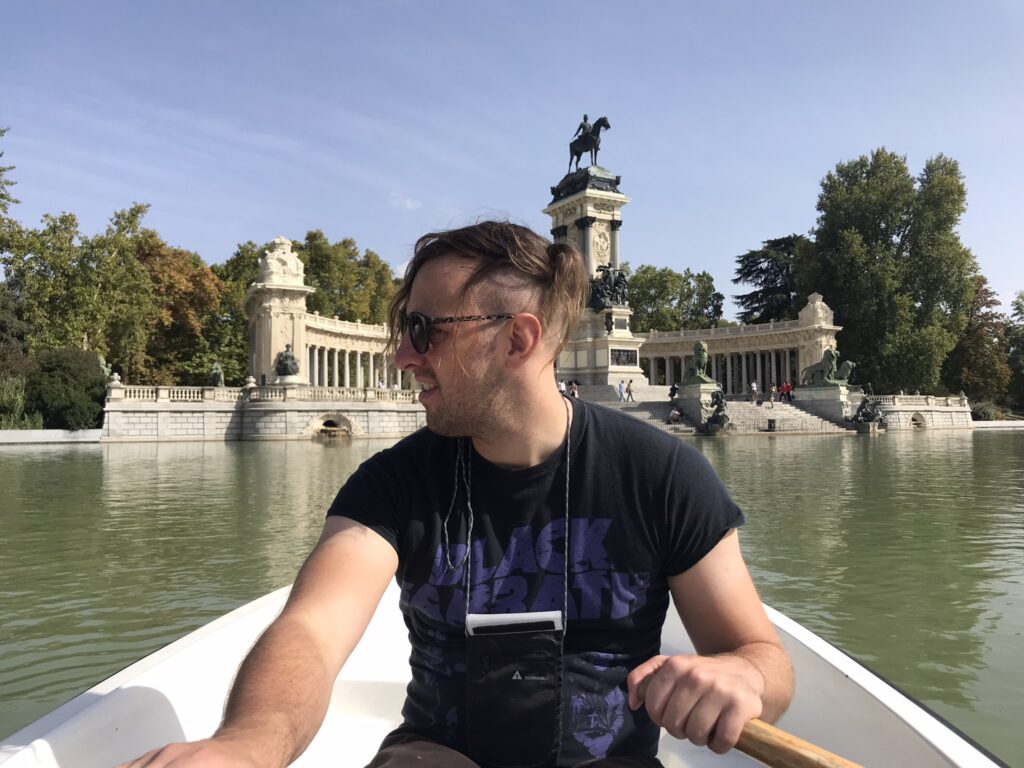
(698, 511)
(372, 497)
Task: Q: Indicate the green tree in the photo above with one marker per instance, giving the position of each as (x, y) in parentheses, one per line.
(978, 364)
(665, 300)
(186, 301)
(889, 262)
(772, 269)
(13, 334)
(226, 331)
(348, 285)
(1015, 341)
(86, 292)
(6, 199)
(67, 388)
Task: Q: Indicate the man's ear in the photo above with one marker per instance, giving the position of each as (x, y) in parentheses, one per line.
(525, 338)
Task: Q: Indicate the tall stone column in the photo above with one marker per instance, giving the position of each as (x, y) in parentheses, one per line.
(360, 384)
(373, 379)
(616, 225)
(652, 371)
(336, 379)
(729, 389)
(583, 226)
(746, 377)
(760, 378)
(323, 367)
(669, 381)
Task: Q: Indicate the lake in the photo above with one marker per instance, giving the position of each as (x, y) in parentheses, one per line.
(906, 550)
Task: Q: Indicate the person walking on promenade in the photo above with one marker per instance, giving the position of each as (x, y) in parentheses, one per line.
(622, 391)
(629, 392)
(512, 502)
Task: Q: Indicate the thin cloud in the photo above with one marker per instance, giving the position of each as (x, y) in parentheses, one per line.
(404, 202)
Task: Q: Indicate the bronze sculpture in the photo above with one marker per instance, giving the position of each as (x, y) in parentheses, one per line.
(589, 141)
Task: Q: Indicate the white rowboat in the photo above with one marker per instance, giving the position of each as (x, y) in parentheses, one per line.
(178, 694)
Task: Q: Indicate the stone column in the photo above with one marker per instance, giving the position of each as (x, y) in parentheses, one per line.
(323, 367)
(314, 368)
(336, 379)
(760, 378)
(369, 371)
(669, 381)
(789, 365)
(359, 370)
(746, 376)
(583, 226)
(616, 225)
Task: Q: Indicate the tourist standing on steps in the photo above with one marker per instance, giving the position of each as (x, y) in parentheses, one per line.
(506, 468)
(753, 392)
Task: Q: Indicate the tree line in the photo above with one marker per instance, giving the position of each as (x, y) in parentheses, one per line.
(156, 313)
(917, 313)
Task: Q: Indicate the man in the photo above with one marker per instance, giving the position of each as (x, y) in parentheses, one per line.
(622, 391)
(515, 501)
(584, 128)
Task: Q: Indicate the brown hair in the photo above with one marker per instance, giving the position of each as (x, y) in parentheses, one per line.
(554, 271)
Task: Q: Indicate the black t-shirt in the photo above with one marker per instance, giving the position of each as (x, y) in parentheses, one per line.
(643, 506)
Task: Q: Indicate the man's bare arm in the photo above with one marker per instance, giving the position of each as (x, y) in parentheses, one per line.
(283, 688)
(743, 671)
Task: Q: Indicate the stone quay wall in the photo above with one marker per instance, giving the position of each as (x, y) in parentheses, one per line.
(924, 411)
(137, 414)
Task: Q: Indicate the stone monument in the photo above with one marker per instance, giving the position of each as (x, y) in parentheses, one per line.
(824, 389)
(586, 211)
(697, 392)
(276, 307)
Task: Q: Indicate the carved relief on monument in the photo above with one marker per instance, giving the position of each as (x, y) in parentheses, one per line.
(602, 244)
(280, 265)
(604, 207)
(817, 312)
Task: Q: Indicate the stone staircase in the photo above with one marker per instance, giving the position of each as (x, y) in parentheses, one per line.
(653, 411)
(747, 417)
(653, 406)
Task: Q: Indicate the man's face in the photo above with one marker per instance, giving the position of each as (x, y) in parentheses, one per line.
(461, 372)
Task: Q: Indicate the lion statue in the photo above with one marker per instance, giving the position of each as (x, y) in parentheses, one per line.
(821, 373)
(698, 371)
(845, 370)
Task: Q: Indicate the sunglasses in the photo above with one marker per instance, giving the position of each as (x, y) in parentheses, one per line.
(418, 326)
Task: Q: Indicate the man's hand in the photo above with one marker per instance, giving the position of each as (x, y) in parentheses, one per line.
(208, 753)
(706, 699)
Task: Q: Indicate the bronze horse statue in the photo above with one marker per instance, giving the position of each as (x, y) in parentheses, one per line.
(587, 142)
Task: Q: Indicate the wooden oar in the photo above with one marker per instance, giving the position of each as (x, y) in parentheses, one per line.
(778, 749)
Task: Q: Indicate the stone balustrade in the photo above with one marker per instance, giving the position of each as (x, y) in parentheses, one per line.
(117, 392)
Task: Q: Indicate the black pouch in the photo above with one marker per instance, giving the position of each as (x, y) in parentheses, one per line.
(514, 697)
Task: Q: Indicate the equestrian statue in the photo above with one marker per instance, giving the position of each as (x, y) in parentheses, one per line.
(589, 141)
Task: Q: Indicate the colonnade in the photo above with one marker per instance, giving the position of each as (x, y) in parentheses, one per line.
(359, 369)
(733, 370)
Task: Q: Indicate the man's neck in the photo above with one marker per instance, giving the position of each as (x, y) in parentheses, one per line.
(539, 431)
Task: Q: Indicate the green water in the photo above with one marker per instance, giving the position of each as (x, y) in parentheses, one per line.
(905, 550)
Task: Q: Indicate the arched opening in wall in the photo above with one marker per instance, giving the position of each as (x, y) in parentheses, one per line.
(331, 426)
(917, 421)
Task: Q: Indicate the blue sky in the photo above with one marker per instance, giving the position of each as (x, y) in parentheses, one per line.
(383, 120)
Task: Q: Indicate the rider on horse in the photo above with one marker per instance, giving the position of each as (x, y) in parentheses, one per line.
(584, 128)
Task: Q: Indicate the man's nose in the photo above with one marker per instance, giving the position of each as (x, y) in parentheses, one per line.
(406, 356)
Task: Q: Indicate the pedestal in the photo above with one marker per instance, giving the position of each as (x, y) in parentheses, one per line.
(596, 355)
(695, 400)
(829, 401)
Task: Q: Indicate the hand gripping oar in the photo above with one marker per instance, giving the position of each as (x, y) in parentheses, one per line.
(778, 749)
